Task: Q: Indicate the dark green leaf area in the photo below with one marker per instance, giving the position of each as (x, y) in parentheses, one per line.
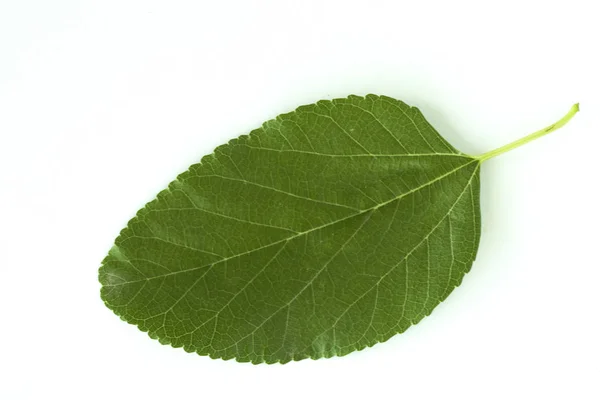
(327, 230)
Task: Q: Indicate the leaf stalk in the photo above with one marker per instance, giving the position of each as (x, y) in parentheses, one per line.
(535, 135)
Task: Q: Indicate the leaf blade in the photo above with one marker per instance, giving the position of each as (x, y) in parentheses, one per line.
(308, 221)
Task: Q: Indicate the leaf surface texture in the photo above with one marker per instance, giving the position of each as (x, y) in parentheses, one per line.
(328, 229)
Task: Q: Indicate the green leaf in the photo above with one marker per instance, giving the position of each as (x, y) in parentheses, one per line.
(328, 229)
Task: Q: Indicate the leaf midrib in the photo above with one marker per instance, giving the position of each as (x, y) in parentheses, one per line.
(292, 237)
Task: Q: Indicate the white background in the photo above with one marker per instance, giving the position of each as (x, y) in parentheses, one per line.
(102, 103)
